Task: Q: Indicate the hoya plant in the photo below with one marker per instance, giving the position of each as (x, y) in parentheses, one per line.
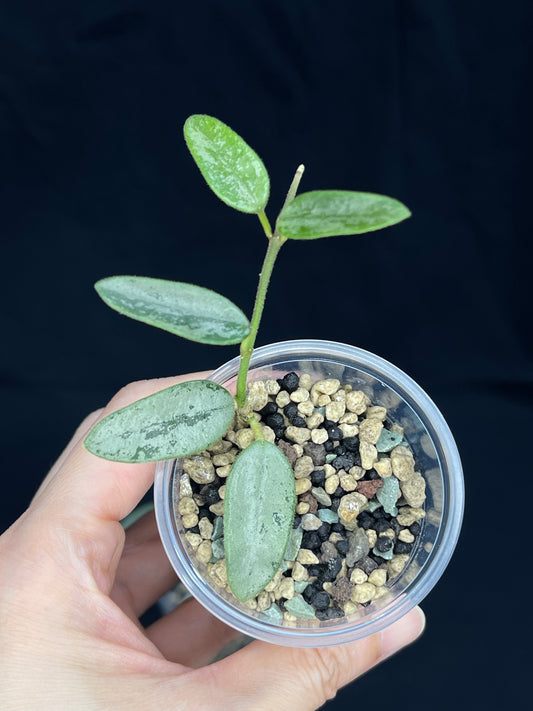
(187, 418)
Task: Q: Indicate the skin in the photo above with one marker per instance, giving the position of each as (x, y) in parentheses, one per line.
(73, 584)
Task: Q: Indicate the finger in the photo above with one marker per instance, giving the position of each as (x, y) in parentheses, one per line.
(144, 573)
(259, 675)
(190, 635)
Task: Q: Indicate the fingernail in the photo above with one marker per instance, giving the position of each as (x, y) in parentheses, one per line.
(402, 632)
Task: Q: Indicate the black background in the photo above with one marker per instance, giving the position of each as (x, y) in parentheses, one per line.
(424, 101)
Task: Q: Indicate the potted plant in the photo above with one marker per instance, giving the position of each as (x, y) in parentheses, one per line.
(308, 492)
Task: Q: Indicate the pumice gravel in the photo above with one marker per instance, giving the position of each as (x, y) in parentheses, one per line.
(360, 498)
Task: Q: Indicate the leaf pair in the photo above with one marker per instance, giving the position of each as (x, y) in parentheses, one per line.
(239, 178)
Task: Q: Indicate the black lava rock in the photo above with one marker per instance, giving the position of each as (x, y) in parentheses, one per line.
(365, 520)
(318, 477)
(317, 571)
(298, 421)
(351, 444)
(269, 409)
(310, 592)
(415, 528)
(297, 521)
(331, 613)
(334, 433)
(333, 567)
(291, 410)
(384, 544)
(343, 546)
(311, 540)
(275, 420)
(402, 547)
(289, 382)
(343, 461)
(328, 447)
(367, 564)
(324, 531)
(337, 527)
(335, 503)
(321, 600)
(209, 494)
(381, 525)
(340, 449)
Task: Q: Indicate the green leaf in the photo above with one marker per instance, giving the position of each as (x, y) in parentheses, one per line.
(233, 171)
(177, 421)
(184, 309)
(326, 213)
(258, 516)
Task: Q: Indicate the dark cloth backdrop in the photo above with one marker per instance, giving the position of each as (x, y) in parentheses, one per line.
(425, 101)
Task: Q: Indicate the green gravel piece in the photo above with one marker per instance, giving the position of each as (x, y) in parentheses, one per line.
(321, 410)
(300, 585)
(218, 528)
(218, 549)
(373, 504)
(273, 614)
(293, 544)
(330, 458)
(298, 607)
(387, 495)
(328, 516)
(387, 555)
(388, 440)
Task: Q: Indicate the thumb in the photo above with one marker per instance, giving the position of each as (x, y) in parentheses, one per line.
(262, 674)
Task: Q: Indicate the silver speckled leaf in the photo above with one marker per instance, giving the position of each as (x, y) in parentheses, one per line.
(327, 213)
(258, 516)
(233, 171)
(186, 310)
(174, 422)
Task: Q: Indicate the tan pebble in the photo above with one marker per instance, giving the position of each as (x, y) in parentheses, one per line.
(299, 395)
(314, 420)
(403, 467)
(306, 557)
(335, 537)
(187, 505)
(223, 472)
(268, 434)
(230, 436)
(327, 587)
(401, 451)
(350, 607)
(383, 467)
(323, 400)
(220, 447)
(357, 472)
(397, 564)
(319, 436)
(406, 536)
(198, 499)
(363, 592)
(244, 438)
(263, 601)
(372, 537)
(370, 430)
(299, 572)
(305, 381)
(204, 552)
(251, 604)
(272, 387)
(357, 401)
(302, 508)
(332, 482)
(328, 386)
(348, 430)
(380, 592)
(407, 515)
(306, 408)
(222, 492)
(368, 454)
(350, 507)
(397, 429)
(206, 528)
(257, 395)
(378, 577)
(289, 620)
(217, 509)
(286, 588)
(299, 450)
(376, 412)
(302, 485)
(310, 522)
(220, 460)
(303, 467)
(389, 533)
(329, 470)
(414, 490)
(283, 398)
(194, 539)
(200, 469)
(358, 576)
(335, 410)
(185, 486)
(289, 564)
(273, 584)
(339, 396)
(348, 482)
(297, 434)
(350, 418)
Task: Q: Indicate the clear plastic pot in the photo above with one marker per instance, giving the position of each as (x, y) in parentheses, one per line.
(436, 456)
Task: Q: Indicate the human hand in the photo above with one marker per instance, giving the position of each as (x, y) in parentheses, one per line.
(73, 585)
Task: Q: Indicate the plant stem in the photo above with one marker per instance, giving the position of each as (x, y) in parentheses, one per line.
(265, 224)
(294, 185)
(247, 346)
